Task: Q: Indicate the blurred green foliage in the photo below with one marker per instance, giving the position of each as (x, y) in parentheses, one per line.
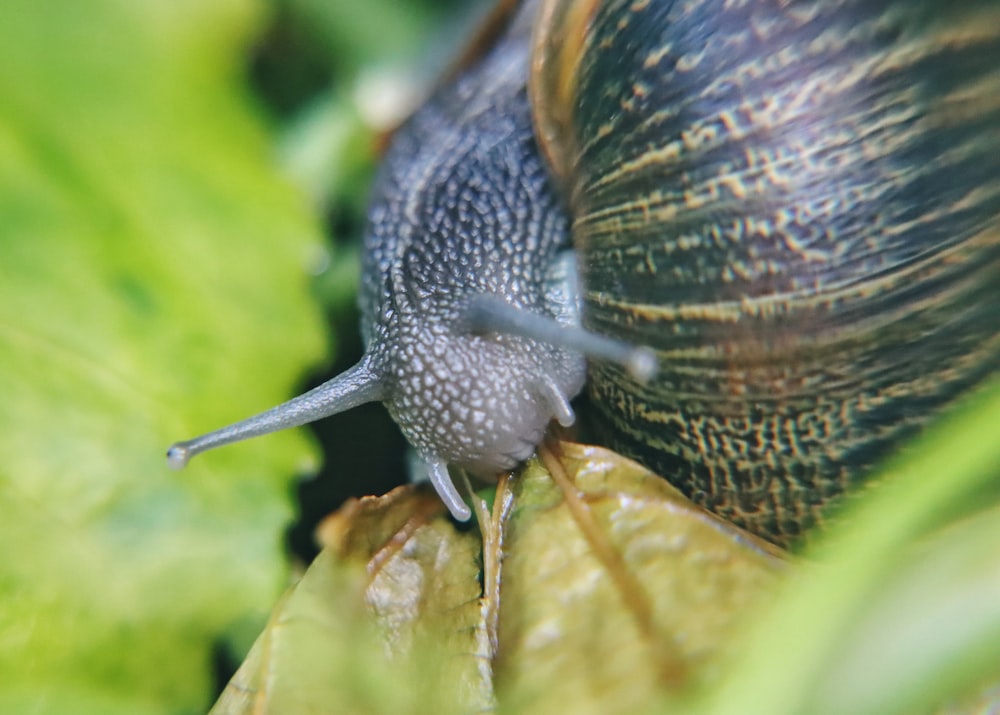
(154, 282)
(171, 173)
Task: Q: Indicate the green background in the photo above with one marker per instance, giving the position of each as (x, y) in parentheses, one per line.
(180, 184)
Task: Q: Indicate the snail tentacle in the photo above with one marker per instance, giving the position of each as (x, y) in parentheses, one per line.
(444, 485)
(558, 402)
(492, 314)
(355, 386)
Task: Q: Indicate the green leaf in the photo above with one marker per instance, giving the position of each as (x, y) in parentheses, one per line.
(152, 286)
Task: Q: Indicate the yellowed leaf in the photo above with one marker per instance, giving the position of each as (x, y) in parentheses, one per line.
(385, 620)
(616, 588)
(604, 589)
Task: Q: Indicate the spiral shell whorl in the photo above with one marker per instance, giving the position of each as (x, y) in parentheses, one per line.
(797, 204)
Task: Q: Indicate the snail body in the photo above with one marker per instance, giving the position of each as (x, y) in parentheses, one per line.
(797, 205)
(461, 184)
(469, 301)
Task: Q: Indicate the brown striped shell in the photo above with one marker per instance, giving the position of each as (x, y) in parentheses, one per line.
(797, 204)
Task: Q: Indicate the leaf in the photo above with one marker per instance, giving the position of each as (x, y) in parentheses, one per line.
(615, 594)
(152, 286)
(933, 625)
(395, 562)
(591, 627)
(573, 633)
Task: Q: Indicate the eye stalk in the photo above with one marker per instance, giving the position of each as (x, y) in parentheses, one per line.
(490, 313)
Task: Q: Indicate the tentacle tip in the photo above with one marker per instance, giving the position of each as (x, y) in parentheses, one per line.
(562, 411)
(642, 364)
(460, 512)
(567, 420)
(178, 455)
(437, 470)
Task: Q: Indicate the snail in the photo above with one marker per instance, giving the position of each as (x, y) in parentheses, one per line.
(796, 205)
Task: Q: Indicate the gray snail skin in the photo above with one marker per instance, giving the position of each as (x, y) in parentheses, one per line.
(794, 205)
(469, 300)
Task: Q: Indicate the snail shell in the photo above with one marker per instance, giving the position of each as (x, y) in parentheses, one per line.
(795, 203)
